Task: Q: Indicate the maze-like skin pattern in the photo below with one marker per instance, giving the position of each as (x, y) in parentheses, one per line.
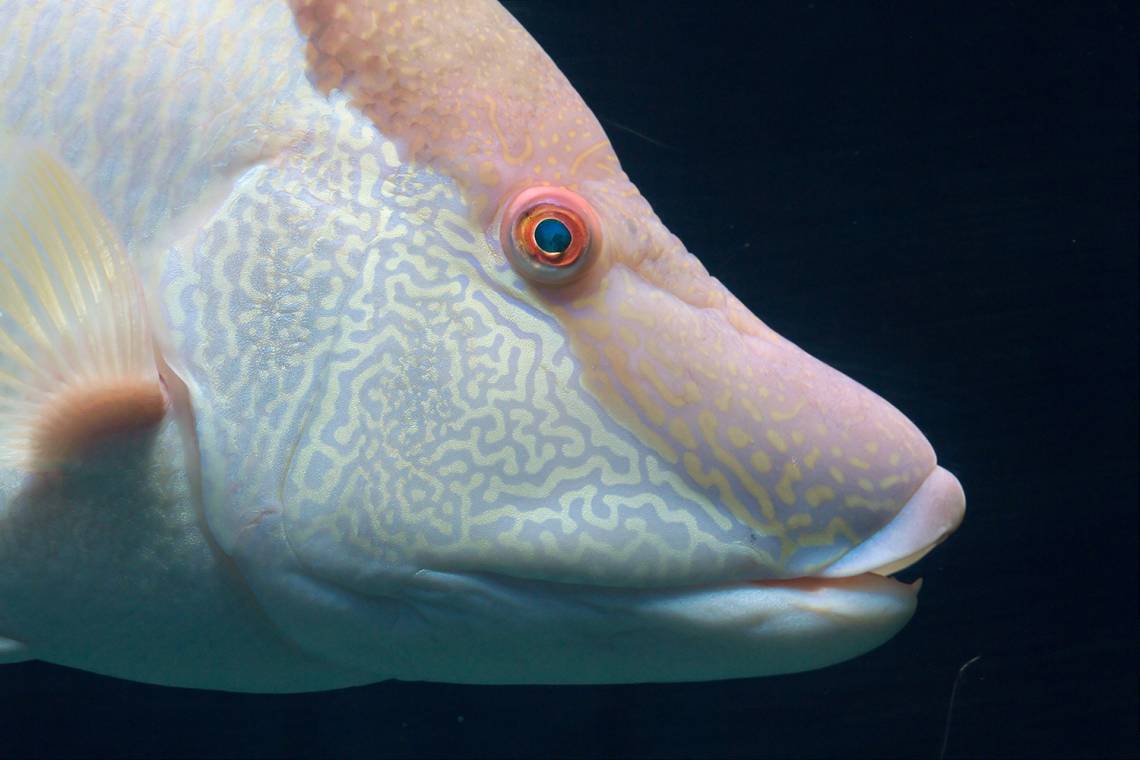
(402, 406)
(806, 460)
(310, 189)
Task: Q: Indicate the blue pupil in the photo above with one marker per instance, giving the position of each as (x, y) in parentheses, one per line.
(552, 236)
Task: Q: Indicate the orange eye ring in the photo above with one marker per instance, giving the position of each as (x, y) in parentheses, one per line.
(528, 239)
(549, 234)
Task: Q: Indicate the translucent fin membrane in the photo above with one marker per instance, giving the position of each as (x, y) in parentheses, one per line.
(76, 359)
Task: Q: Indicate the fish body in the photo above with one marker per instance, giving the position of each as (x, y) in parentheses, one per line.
(338, 347)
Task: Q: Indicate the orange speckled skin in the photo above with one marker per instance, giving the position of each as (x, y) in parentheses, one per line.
(463, 87)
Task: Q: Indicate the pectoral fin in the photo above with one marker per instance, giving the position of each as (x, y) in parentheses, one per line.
(77, 363)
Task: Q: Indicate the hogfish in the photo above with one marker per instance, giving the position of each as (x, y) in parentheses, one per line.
(336, 346)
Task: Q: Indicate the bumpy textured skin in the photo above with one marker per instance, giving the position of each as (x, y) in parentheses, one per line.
(460, 86)
(309, 190)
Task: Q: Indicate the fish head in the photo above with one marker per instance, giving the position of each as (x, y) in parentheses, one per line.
(594, 420)
(443, 398)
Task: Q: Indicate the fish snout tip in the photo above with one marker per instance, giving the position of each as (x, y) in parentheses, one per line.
(931, 514)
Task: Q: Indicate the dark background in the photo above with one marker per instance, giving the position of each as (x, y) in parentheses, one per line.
(941, 202)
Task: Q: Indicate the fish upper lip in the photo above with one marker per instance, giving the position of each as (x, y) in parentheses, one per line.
(931, 514)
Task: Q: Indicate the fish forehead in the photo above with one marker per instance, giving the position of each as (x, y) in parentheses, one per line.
(461, 86)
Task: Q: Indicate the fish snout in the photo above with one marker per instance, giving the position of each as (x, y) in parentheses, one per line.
(839, 481)
(869, 495)
(809, 472)
(931, 514)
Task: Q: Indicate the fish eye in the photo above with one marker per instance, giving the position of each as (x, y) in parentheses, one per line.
(550, 234)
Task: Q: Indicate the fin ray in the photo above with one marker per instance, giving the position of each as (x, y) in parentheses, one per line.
(72, 318)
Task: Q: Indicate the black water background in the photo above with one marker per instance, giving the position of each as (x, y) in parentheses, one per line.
(940, 201)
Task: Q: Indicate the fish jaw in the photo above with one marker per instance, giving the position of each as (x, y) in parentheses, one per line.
(550, 633)
(486, 628)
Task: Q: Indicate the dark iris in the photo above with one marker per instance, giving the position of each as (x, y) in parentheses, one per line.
(552, 236)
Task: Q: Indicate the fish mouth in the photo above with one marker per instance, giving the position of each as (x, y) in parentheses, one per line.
(493, 628)
(547, 632)
(724, 629)
(932, 513)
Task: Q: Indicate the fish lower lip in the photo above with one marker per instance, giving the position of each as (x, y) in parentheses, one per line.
(818, 583)
(614, 635)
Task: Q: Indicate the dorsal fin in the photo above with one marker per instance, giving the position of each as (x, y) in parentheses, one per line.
(77, 364)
